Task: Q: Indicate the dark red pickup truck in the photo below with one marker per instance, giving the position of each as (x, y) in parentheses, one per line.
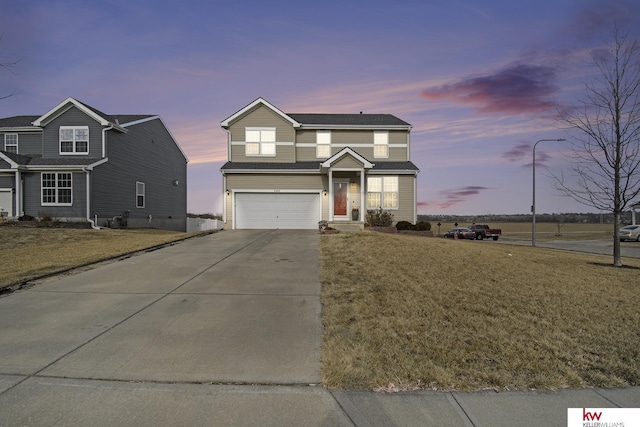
(484, 232)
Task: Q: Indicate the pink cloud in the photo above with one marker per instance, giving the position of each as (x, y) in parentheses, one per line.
(523, 152)
(517, 89)
(454, 196)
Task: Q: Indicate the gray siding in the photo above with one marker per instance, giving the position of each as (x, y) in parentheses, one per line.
(32, 198)
(28, 142)
(148, 154)
(71, 117)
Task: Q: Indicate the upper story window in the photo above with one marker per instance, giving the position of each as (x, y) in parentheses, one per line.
(57, 189)
(11, 143)
(382, 192)
(74, 139)
(323, 143)
(380, 144)
(260, 141)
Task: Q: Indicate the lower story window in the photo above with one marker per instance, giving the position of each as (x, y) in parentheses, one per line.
(57, 189)
(140, 194)
(382, 192)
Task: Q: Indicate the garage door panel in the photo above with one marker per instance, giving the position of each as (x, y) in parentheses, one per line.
(277, 210)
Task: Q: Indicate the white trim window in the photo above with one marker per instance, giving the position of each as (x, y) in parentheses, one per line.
(74, 139)
(382, 192)
(380, 144)
(260, 141)
(57, 189)
(11, 143)
(323, 143)
(140, 194)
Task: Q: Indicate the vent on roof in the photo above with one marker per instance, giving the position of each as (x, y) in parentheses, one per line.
(118, 122)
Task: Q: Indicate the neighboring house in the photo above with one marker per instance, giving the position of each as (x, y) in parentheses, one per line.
(75, 163)
(294, 170)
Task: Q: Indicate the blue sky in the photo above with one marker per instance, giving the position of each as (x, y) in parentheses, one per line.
(477, 80)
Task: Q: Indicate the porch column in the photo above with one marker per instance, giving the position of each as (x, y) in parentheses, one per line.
(362, 193)
(330, 195)
(633, 214)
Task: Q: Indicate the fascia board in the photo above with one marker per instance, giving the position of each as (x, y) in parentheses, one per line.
(13, 164)
(60, 109)
(271, 171)
(354, 127)
(21, 129)
(365, 163)
(227, 122)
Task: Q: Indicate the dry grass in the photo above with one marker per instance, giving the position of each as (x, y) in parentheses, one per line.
(455, 315)
(32, 252)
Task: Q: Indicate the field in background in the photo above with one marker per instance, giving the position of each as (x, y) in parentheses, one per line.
(544, 230)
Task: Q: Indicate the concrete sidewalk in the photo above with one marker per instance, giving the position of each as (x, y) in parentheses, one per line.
(219, 330)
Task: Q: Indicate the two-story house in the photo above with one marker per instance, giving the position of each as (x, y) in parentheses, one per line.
(295, 170)
(76, 163)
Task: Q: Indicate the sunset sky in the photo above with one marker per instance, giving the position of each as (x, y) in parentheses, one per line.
(478, 80)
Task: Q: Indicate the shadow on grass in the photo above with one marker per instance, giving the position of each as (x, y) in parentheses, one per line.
(604, 264)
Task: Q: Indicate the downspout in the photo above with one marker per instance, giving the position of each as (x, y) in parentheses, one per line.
(104, 140)
(88, 193)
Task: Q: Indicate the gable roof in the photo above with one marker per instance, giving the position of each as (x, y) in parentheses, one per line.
(97, 115)
(323, 121)
(260, 101)
(17, 121)
(347, 152)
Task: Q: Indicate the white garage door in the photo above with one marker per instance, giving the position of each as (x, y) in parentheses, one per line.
(277, 210)
(6, 201)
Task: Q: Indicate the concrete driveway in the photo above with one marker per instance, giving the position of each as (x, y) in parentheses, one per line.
(236, 307)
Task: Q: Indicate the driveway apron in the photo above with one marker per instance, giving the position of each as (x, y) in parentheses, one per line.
(233, 307)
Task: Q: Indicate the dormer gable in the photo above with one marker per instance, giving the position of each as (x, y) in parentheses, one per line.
(100, 117)
(250, 107)
(346, 155)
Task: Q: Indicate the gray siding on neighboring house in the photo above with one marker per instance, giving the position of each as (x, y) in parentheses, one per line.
(33, 200)
(71, 117)
(28, 142)
(147, 154)
(262, 116)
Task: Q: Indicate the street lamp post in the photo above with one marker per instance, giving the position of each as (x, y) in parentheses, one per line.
(533, 204)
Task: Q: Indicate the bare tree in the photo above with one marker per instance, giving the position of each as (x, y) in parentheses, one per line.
(7, 65)
(605, 135)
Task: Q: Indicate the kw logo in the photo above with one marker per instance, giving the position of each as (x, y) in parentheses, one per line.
(590, 416)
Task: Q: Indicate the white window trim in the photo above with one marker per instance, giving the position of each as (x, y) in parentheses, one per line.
(381, 192)
(75, 152)
(7, 144)
(323, 144)
(260, 143)
(377, 142)
(57, 194)
(143, 194)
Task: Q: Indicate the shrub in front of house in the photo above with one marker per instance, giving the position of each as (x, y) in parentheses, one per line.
(423, 226)
(379, 218)
(405, 225)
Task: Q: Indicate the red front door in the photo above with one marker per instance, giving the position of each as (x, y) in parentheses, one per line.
(340, 190)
